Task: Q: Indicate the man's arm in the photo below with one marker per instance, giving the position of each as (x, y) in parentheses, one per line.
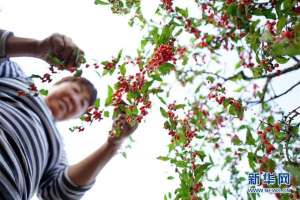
(17, 46)
(86, 171)
(56, 45)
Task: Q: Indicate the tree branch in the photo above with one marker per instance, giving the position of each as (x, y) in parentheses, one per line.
(265, 89)
(277, 96)
(296, 59)
(248, 78)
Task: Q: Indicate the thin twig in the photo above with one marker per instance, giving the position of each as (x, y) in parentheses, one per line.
(265, 89)
(276, 96)
(296, 59)
(248, 78)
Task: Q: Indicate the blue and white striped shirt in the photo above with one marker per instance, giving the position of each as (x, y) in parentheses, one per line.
(32, 156)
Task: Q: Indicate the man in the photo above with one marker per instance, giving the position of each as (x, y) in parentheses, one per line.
(32, 156)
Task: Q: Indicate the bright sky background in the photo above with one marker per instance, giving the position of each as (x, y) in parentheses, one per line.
(101, 35)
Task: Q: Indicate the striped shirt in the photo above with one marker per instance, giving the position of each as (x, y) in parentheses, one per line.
(32, 155)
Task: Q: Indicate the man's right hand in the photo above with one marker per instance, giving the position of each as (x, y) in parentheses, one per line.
(60, 51)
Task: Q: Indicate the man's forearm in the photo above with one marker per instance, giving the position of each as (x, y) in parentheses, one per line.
(85, 172)
(17, 46)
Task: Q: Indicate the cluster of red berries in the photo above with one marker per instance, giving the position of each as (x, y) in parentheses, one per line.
(214, 94)
(203, 42)
(110, 65)
(266, 142)
(168, 4)
(191, 29)
(269, 66)
(133, 83)
(297, 10)
(271, 27)
(21, 93)
(189, 133)
(246, 2)
(228, 2)
(162, 54)
(46, 78)
(93, 114)
(78, 128)
(181, 51)
(223, 21)
(246, 59)
(143, 110)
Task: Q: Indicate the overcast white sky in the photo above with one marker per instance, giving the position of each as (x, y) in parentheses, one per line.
(101, 35)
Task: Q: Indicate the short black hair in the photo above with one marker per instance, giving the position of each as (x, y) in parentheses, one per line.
(82, 82)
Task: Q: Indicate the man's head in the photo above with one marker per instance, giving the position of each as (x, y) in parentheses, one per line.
(70, 97)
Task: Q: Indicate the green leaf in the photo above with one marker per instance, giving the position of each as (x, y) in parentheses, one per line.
(166, 34)
(293, 169)
(201, 155)
(161, 100)
(210, 79)
(225, 192)
(99, 2)
(54, 59)
(281, 23)
(156, 77)
(43, 92)
(146, 87)
(200, 170)
(170, 177)
(232, 110)
(119, 55)
(163, 158)
(154, 34)
(163, 112)
(106, 114)
(132, 95)
(123, 69)
(281, 59)
(231, 9)
(35, 76)
(249, 138)
(236, 140)
(78, 73)
(97, 103)
(179, 163)
(124, 154)
(183, 12)
(251, 160)
(179, 106)
(166, 68)
(108, 100)
(144, 43)
(240, 89)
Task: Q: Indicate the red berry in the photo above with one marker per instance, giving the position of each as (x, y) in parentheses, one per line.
(270, 148)
(268, 129)
(277, 127)
(297, 10)
(288, 34)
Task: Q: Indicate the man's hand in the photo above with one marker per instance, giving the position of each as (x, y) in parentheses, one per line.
(121, 130)
(60, 51)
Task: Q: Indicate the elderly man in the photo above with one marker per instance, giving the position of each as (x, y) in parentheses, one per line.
(32, 156)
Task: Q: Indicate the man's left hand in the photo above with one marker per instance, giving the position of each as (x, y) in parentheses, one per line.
(121, 130)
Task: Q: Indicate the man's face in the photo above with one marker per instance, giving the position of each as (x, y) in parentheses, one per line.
(67, 100)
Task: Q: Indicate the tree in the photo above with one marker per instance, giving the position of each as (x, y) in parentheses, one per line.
(230, 118)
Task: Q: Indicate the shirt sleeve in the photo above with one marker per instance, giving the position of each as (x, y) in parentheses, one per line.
(10, 69)
(57, 185)
(3, 37)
